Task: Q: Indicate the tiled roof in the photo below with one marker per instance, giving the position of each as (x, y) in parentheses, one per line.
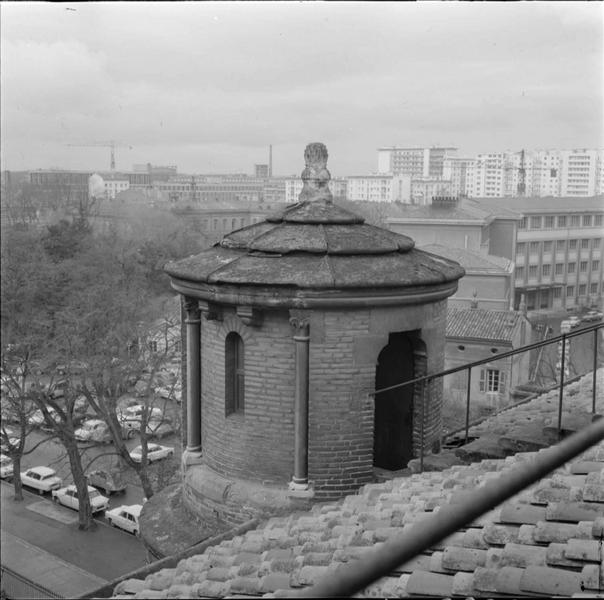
(464, 211)
(544, 541)
(472, 262)
(542, 205)
(482, 324)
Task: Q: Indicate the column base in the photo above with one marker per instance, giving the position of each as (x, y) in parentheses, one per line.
(191, 457)
(299, 489)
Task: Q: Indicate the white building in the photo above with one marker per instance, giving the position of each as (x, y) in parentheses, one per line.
(579, 172)
(416, 162)
(379, 188)
(107, 185)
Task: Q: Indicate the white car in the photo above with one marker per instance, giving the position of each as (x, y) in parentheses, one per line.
(43, 479)
(6, 466)
(130, 418)
(154, 452)
(125, 517)
(68, 496)
(93, 430)
(574, 321)
(11, 437)
(37, 418)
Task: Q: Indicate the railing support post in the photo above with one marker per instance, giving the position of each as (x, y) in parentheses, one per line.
(593, 375)
(468, 404)
(562, 367)
(422, 425)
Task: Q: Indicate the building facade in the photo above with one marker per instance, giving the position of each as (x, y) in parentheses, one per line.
(415, 162)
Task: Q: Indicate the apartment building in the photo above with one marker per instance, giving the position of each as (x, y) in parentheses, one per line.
(378, 188)
(415, 162)
(579, 172)
(558, 252)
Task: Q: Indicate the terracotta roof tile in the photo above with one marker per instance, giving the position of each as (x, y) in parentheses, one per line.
(546, 540)
(481, 323)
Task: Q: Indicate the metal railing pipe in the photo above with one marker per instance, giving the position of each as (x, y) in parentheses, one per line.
(355, 576)
(594, 374)
(485, 361)
(468, 394)
(422, 425)
(561, 393)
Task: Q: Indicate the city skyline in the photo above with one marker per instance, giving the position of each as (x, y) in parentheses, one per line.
(207, 88)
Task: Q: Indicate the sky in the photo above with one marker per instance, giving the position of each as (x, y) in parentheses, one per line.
(207, 86)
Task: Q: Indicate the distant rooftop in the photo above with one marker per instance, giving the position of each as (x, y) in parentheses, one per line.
(463, 211)
(481, 324)
(542, 204)
(472, 262)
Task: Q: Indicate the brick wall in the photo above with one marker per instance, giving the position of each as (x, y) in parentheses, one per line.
(258, 444)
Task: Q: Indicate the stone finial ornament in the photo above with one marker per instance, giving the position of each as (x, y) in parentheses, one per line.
(315, 176)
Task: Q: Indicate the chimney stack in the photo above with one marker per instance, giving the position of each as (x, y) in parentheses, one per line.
(270, 160)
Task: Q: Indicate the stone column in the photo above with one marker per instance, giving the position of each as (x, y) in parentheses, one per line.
(300, 323)
(193, 327)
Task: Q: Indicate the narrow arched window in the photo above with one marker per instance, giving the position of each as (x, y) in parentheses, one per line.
(234, 373)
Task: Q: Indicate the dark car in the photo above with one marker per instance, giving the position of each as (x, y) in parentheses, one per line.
(109, 482)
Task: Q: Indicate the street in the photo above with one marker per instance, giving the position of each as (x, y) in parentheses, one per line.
(105, 552)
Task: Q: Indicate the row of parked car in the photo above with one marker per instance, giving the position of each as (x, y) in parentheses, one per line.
(575, 321)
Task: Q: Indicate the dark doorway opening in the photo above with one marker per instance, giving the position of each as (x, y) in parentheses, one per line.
(393, 413)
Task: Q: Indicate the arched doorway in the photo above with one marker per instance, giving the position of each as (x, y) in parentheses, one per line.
(393, 412)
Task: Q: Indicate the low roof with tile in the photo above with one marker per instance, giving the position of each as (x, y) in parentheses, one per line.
(472, 262)
(482, 324)
(546, 540)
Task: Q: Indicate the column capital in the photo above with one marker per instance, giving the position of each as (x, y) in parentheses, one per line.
(191, 306)
(300, 321)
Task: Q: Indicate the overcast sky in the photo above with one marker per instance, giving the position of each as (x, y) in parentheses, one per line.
(208, 86)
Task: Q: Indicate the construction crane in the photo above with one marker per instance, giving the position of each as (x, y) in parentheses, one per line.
(112, 144)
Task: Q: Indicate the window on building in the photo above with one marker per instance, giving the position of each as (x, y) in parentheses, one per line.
(557, 292)
(582, 289)
(583, 266)
(234, 383)
(549, 222)
(153, 346)
(562, 221)
(534, 247)
(492, 380)
(559, 268)
(560, 245)
(572, 244)
(519, 272)
(575, 221)
(593, 289)
(520, 248)
(535, 222)
(547, 246)
(586, 220)
(522, 224)
(532, 271)
(571, 267)
(570, 291)
(595, 265)
(595, 243)
(546, 269)
(584, 244)
(598, 220)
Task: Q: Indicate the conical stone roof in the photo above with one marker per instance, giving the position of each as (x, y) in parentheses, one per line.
(315, 245)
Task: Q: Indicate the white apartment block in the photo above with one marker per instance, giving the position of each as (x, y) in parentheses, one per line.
(416, 162)
(566, 173)
(379, 188)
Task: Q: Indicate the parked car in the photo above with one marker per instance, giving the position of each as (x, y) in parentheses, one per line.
(68, 496)
(93, 430)
(130, 418)
(154, 452)
(11, 437)
(43, 479)
(592, 315)
(574, 321)
(6, 466)
(125, 517)
(108, 481)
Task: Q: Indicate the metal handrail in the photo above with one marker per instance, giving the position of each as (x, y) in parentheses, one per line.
(355, 576)
(485, 361)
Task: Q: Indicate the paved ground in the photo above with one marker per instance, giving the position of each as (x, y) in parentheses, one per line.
(106, 552)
